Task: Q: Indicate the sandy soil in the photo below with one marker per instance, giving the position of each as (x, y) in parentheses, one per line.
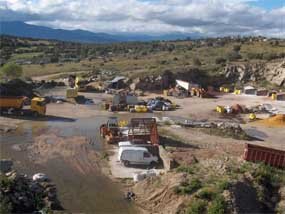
(200, 146)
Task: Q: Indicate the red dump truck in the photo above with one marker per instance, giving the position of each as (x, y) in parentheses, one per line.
(267, 155)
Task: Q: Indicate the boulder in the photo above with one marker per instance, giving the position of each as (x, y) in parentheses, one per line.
(5, 165)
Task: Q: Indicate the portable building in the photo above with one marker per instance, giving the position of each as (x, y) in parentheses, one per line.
(249, 90)
(280, 96)
(262, 92)
(117, 83)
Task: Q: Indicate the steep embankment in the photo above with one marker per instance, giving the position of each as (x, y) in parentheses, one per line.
(274, 73)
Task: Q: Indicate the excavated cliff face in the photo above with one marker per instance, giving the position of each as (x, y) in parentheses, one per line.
(254, 72)
(276, 73)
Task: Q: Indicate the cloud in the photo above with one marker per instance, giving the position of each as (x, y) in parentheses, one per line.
(211, 17)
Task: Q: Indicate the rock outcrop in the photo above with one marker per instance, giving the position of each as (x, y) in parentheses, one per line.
(248, 72)
(276, 73)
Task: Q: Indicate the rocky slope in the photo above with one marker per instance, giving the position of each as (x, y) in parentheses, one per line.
(255, 72)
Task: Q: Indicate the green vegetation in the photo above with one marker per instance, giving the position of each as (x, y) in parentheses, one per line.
(187, 169)
(5, 206)
(206, 187)
(136, 58)
(11, 71)
(189, 187)
(197, 206)
(218, 206)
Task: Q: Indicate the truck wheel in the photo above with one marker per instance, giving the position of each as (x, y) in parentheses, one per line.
(126, 163)
(102, 133)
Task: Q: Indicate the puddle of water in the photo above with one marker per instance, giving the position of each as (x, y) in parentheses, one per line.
(91, 193)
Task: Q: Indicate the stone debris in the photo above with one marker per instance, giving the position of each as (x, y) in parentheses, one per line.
(5, 165)
(23, 194)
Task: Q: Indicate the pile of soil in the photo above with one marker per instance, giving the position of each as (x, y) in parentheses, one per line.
(275, 121)
(17, 87)
(156, 194)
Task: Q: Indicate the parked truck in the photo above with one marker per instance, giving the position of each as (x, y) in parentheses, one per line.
(138, 128)
(18, 104)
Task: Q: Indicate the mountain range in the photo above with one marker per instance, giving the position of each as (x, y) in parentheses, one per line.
(21, 29)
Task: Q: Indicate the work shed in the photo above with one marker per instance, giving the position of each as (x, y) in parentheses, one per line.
(249, 90)
(262, 92)
(280, 96)
(117, 83)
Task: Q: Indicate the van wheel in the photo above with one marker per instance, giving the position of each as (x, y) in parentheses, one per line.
(152, 164)
(126, 163)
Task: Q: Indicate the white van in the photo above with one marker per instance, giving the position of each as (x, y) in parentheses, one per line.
(136, 155)
(136, 142)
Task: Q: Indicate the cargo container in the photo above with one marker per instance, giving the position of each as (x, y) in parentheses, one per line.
(266, 155)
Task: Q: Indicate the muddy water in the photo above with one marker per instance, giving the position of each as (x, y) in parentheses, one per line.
(91, 193)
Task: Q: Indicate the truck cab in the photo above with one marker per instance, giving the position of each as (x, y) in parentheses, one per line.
(38, 106)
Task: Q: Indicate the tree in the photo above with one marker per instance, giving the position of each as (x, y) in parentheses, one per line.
(236, 48)
(232, 56)
(197, 62)
(220, 60)
(11, 71)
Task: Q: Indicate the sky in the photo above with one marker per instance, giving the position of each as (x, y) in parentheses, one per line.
(210, 18)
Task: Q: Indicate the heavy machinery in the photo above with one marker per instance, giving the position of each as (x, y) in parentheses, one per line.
(138, 128)
(17, 105)
(111, 131)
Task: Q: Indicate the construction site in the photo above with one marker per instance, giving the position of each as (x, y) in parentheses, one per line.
(148, 146)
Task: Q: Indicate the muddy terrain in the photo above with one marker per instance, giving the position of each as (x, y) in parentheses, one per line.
(67, 146)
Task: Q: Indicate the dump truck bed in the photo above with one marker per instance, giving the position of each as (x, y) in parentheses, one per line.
(269, 156)
(12, 102)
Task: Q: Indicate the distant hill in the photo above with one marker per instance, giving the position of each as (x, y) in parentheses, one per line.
(21, 29)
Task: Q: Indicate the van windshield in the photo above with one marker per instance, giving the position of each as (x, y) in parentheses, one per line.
(146, 155)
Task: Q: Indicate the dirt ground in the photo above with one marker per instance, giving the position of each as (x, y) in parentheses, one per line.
(76, 151)
(200, 146)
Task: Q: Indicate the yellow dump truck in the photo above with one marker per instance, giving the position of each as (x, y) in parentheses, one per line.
(14, 104)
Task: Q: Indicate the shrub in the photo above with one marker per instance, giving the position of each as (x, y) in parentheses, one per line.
(236, 48)
(233, 56)
(186, 169)
(5, 206)
(270, 56)
(255, 55)
(188, 188)
(207, 193)
(218, 206)
(223, 185)
(220, 60)
(11, 70)
(196, 207)
(197, 62)
(265, 175)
